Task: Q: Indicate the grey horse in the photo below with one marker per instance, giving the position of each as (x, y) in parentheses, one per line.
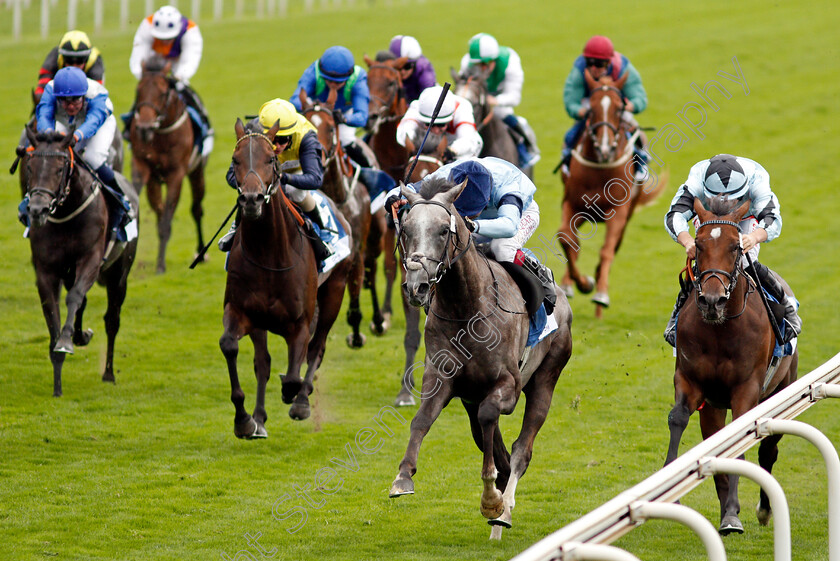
(475, 338)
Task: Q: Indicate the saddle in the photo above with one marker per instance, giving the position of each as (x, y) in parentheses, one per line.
(530, 288)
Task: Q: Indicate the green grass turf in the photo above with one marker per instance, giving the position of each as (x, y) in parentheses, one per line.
(149, 468)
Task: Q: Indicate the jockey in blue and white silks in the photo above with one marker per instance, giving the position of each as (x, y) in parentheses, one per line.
(736, 178)
(498, 205)
(600, 58)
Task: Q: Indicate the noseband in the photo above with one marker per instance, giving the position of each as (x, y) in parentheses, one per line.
(706, 274)
(267, 191)
(446, 261)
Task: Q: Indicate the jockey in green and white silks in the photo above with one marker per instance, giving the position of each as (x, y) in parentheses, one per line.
(736, 178)
(499, 207)
(600, 58)
(504, 84)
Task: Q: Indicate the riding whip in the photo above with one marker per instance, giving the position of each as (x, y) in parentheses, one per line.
(776, 331)
(443, 93)
(201, 253)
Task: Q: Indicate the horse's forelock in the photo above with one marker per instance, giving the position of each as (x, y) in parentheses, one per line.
(155, 64)
(382, 56)
(253, 125)
(433, 186)
(721, 206)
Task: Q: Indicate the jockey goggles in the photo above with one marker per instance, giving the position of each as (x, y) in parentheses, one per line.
(597, 62)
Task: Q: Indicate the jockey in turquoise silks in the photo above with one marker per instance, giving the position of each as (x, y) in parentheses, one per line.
(600, 58)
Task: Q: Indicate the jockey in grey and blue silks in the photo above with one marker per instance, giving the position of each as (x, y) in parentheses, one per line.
(738, 179)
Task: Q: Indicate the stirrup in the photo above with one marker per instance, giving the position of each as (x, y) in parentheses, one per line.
(226, 242)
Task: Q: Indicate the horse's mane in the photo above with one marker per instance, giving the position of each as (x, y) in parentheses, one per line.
(721, 206)
(382, 56)
(472, 71)
(432, 186)
(155, 63)
(51, 136)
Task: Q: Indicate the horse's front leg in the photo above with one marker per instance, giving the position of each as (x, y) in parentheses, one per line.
(569, 241)
(198, 189)
(411, 343)
(262, 370)
(373, 248)
(174, 182)
(86, 272)
(48, 290)
(712, 420)
(502, 399)
(390, 266)
(81, 336)
(236, 326)
(616, 225)
(436, 394)
(687, 398)
(295, 391)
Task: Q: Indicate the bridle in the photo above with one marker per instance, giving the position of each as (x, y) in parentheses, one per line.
(333, 132)
(592, 128)
(266, 191)
(480, 94)
(335, 152)
(387, 110)
(446, 261)
(731, 277)
(161, 111)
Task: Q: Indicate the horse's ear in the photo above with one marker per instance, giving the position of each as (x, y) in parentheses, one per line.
(590, 81)
(409, 145)
(272, 132)
(400, 62)
(409, 194)
(455, 76)
(333, 95)
(450, 196)
(167, 68)
(31, 132)
(621, 81)
(368, 60)
(69, 139)
(239, 127)
(703, 214)
(741, 210)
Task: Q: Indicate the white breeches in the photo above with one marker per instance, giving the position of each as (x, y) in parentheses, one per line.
(504, 249)
(95, 149)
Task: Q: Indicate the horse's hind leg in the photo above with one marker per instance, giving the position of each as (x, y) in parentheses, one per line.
(612, 239)
(354, 312)
(569, 241)
(768, 452)
(81, 337)
(116, 286)
(174, 183)
(712, 420)
(86, 273)
(390, 266)
(48, 291)
(262, 370)
(373, 248)
(411, 343)
(198, 190)
(501, 456)
(236, 326)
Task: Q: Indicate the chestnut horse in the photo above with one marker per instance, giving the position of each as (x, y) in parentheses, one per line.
(163, 151)
(69, 238)
(273, 284)
(342, 186)
(482, 365)
(600, 188)
(724, 348)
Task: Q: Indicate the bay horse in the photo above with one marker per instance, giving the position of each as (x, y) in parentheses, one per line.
(273, 284)
(600, 188)
(350, 198)
(427, 162)
(476, 331)
(387, 107)
(69, 238)
(498, 142)
(724, 348)
(163, 151)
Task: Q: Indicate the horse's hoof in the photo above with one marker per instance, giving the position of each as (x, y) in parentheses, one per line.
(378, 330)
(246, 429)
(290, 390)
(109, 377)
(65, 347)
(259, 433)
(588, 287)
(82, 338)
(400, 487)
(602, 299)
(568, 290)
(386, 321)
(356, 342)
(300, 410)
(763, 514)
(404, 399)
(492, 505)
(730, 525)
(504, 520)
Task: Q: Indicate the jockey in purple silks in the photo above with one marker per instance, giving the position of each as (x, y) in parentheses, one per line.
(418, 73)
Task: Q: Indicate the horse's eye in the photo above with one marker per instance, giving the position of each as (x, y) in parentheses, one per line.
(443, 230)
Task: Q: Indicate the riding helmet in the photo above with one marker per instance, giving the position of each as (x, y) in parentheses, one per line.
(74, 44)
(599, 47)
(428, 101)
(483, 48)
(166, 23)
(407, 46)
(336, 64)
(70, 82)
(278, 110)
(725, 177)
(475, 196)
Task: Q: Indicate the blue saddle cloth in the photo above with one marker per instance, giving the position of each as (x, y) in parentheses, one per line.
(536, 325)
(199, 127)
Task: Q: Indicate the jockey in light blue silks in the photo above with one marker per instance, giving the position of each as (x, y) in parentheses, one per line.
(600, 58)
(498, 205)
(740, 179)
(336, 65)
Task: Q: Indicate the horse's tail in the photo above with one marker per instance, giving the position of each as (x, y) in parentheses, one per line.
(653, 188)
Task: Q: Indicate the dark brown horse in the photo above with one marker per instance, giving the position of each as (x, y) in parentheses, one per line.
(428, 162)
(352, 199)
(69, 238)
(273, 285)
(600, 188)
(498, 142)
(387, 107)
(724, 348)
(475, 337)
(163, 151)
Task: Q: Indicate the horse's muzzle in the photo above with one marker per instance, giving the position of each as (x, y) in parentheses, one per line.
(38, 212)
(417, 293)
(251, 204)
(712, 308)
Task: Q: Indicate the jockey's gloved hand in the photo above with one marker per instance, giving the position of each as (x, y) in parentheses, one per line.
(338, 117)
(471, 224)
(284, 178)
(449, 156)
(391, 201)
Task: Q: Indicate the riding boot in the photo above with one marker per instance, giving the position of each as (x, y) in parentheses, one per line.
(358, 154)
(119, 216)
(772, 285)
(542, 274)
(126, 119)
(192, 99)
(226, 241)
(529, 154)
(565, 160)
(314, 225)
(671, 329)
